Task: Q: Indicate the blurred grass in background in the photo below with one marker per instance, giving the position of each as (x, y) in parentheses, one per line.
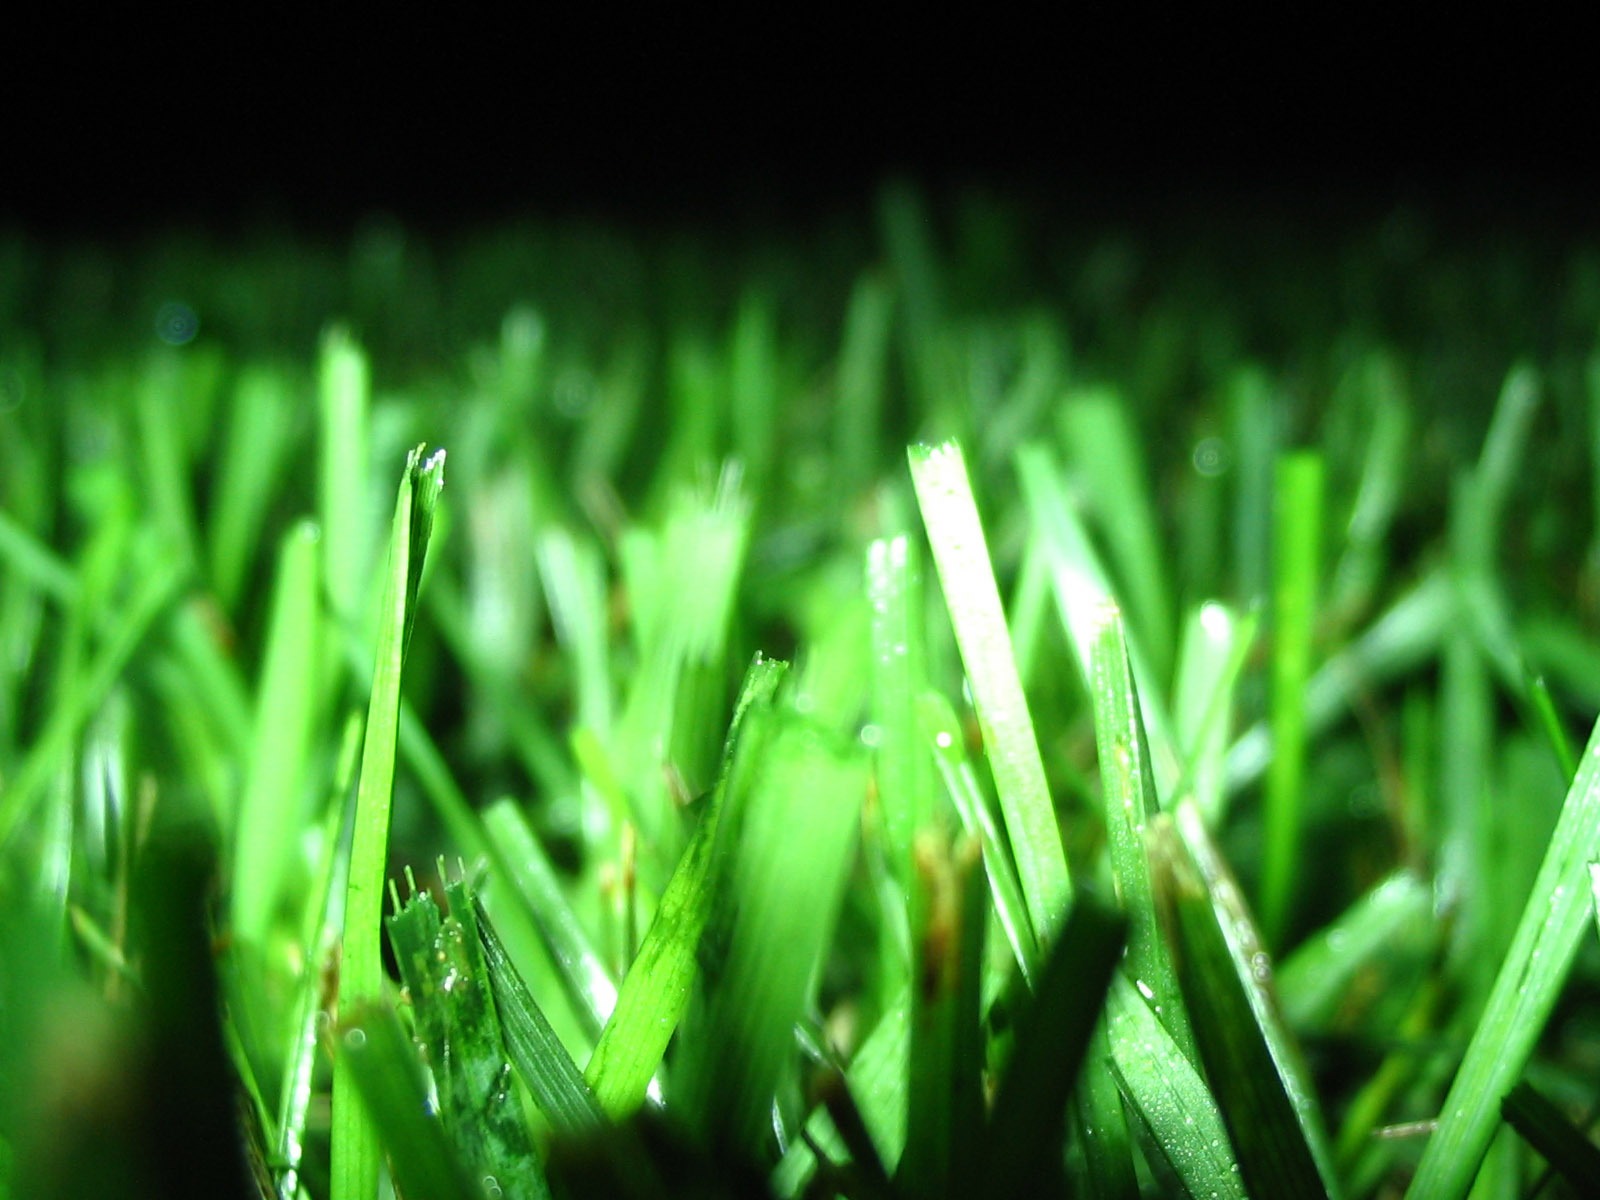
(780, 791)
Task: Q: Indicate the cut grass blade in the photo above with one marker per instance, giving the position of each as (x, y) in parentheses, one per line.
(1554, 919)
(1296, 553)
(967, 577)
(355, 1140)
(655, 992)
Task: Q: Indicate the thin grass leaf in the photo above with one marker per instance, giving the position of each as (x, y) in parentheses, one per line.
(1296, 554)
(342, 470)
(382, 1065)
(1211, 658)
(355, 1142)
(271, 808)
(1129, 796)
(902, 770)
(1168, 1096)
(1561, 1143)
(249, 462)
(862, 379)
(655, 992)
(967, 577)
(551, 1077)
(1249, 1059)
(1023, 1144)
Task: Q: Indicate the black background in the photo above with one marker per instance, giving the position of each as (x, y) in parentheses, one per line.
(453, 117)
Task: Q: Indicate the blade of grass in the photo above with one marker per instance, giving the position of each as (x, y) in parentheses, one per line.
(1296, 551)
(902, 769)
(343, 389)
(1562, 1144)
(355, 1137)
(966, 575)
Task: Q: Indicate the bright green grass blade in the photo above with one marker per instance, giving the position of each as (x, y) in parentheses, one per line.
(378, 1058)
(572, 571)
(1563, 1145)
(154, 594)
(1248, 1056)
(1296, 555)
(343, 445)
(1254, 434)
(1102, 447)
(1405, 636)
(452, 997)
(28, 559)
(527, 867)
(945, 1090)
(1525, 990)
(1129, 796)
(1168, 1096)
(164, 391)
(794, 815)
(551, 1077)
(1215, 646)
(1545, 718)
(941, 733)
(967, 577)
(355, 1143)
(1385, 925)
(1023, 1152)
(902, 769)
(271, 809)
(655, 992)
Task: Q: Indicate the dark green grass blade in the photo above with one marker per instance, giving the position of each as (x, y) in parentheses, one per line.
(552, 1078)
(1250, 1062)
(655, 991)
(355, 1145)
(1546, 1128)
(452, 996)
(382, 1065)
(1023, 1153)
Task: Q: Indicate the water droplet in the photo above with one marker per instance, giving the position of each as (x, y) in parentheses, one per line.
(1144, 989)
(355, 1039)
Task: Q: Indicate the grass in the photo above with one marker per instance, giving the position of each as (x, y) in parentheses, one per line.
(922, 706)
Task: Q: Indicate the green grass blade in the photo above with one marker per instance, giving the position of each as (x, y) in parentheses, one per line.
(378, 1058)
(1168, 1096)
(1129, 796)
(355, 1142)
(272, 809)
(1562, 1144)
(552, 1078)
(257, 444)
(1296, 553)
(902, 769)
(862, 381)
(1023, 1154)
(655, 992)
(1553, 921)
(1252, 1065)
(343, 447)
(967, 577)
(1212, 656)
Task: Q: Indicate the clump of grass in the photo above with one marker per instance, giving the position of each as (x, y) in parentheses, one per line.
(1161, 782)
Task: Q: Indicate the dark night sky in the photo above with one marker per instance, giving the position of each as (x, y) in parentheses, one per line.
(173, 122)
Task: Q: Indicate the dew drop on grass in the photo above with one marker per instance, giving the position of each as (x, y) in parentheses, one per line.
(355, 1039)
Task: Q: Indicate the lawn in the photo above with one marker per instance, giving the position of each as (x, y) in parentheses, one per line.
(941, 699)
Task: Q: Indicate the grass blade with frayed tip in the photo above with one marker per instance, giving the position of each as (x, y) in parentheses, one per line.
(528, 868)
(1102, 446)
(355, 1147)
(945, 1091)
(1316, 979)
(441, 959)
(1250, 1062)
(1130, 802)
(271, 808)
(967, 577)
(1168, 1096)
(795, 801)
(1404, 637)
(547, 1070)
(1297, 542)
(655, 991)
(1548, 1130)
(1023, 1143)
(378, 1058)
(1554, 920)
(941, 732)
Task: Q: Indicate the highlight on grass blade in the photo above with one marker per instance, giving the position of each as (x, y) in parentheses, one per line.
(355, 1138)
